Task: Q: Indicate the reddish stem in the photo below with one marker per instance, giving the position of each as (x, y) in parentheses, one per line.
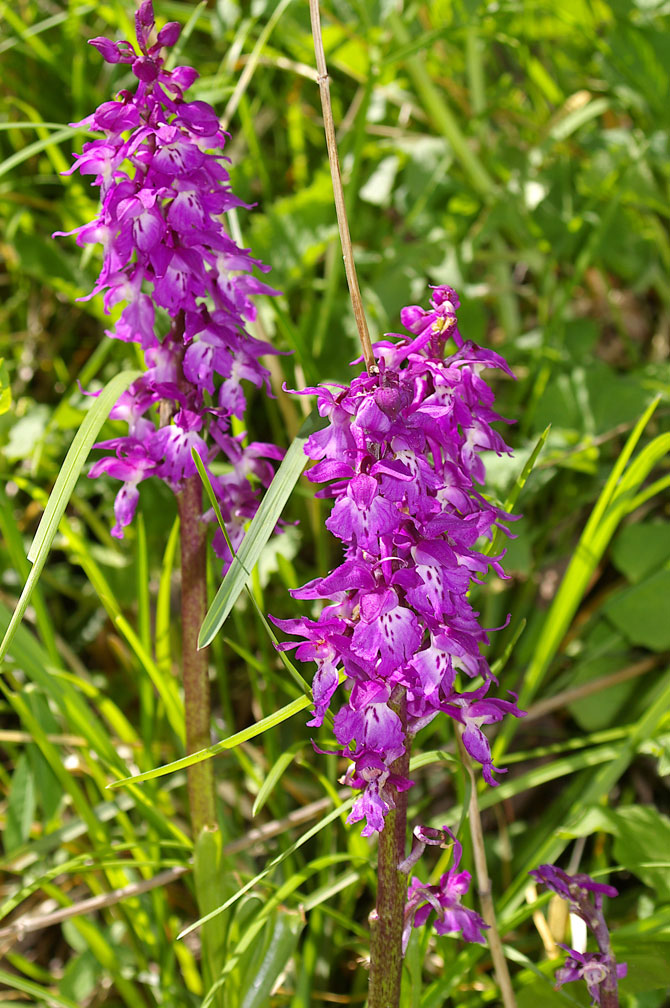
(195, 672)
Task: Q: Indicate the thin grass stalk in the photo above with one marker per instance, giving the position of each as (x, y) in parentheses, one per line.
(197, 705)
(484, 886)
(338, 191)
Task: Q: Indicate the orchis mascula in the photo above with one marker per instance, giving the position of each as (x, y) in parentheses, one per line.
(444, 898)
(164, 188)
(401, 453)
(599, 970)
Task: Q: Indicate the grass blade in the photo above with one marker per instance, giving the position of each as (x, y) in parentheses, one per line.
(233, 740)
(259, 532)
(63, 487)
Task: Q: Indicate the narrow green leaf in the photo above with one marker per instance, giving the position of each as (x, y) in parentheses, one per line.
(185, 34)
(619, 467)
(42, 995)
(60, 495)
(74, 461)
(521, 479)
(326, 821)
(212, 886)
(163, 616)
(283, 942)
(259, 532)
(20, 806)
(288, 665)
(34, 148)
(274, 776)
(283, 714)
(599, 529)
(5, 390)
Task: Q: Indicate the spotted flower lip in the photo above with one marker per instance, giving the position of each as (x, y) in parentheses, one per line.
(401, 459)
(164, 186)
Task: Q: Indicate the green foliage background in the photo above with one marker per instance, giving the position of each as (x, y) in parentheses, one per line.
(519, 152)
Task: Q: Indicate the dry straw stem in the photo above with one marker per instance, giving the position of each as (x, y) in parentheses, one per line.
(338, 192)
(484, 888)
(576, 693)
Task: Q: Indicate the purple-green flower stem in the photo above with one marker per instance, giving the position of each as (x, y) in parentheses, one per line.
(201, 793)
(387, 919)
(609, 988)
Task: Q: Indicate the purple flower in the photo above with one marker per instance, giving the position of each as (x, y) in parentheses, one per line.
(599, 970)
(445, 899)
(592, 967)
(400, 457)
(164, 185)
(577, 890)
(378, 785)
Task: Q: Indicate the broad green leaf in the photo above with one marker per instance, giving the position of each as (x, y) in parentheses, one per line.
(60, 495)
(647, 965)
(260, 530)
(591, 788)
(641, 612)
(80, 977)
(20, 810)
(642, 835)
(26, 433)
(641, 549)
(541, 992)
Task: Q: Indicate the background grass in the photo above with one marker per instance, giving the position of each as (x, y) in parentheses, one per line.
(518, 152)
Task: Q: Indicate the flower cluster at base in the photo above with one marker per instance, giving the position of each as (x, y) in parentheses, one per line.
(401, 453)
(599, 970)
(444, 898)
(168, 258)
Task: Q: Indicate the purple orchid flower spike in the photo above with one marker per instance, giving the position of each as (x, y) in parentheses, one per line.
(164, 189)
(585, 896)
(401, 459)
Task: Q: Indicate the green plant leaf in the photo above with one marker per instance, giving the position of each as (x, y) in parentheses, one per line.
(274, 776)
(641, 612)
(641, 549)
(20, 805)
(5, 390)
(260, 530)
(285, 930)
(63, 487)
(233, 740)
